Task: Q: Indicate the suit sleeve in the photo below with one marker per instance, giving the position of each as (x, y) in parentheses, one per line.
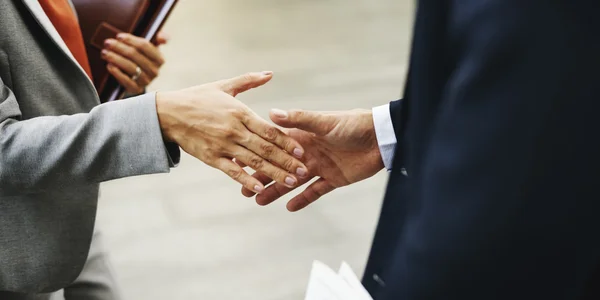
(113, 140)
(396, 116)
(506, 197)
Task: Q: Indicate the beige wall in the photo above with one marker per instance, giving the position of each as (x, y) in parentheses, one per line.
(190, 234)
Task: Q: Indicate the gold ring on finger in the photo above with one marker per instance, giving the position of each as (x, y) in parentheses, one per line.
(138, 73)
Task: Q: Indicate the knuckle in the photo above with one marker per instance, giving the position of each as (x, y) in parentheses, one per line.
(146, 45)
(129, 52)
(310, 196)
(234, 173)
(289, 163)
(267, 150)
(229, 133)
(279, 176)
(318, 193)
(256, 163)
(271, 134)
(240, 137)
(241, 113)
(297, 113)
(287, 144)
(247, 77)
(145, 81)
(207, 155)
(152, 72)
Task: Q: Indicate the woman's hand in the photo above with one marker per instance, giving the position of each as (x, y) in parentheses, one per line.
(207, 122)
(133, 61)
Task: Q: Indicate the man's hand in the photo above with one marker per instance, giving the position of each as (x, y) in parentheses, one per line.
(341, 148)
(210, 124)
(128, 52)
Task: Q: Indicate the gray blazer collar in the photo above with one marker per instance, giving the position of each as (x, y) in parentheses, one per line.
(36, 10)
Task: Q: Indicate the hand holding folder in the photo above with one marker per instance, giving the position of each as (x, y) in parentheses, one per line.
(103, 19)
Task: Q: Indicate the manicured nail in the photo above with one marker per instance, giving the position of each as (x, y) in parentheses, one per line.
(282, 114)
(298, 152)
(104, 52)
(290, 181)
(267, 73)
(121, 36)
(109, 43)
(301, 172)
(165, 36)
(258, 188)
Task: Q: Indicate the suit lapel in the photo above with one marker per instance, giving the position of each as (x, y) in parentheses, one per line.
(38, 13)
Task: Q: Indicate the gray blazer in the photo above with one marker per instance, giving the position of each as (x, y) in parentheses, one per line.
(56, 145)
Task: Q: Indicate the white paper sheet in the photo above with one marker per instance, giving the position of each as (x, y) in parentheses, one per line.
(325, 284)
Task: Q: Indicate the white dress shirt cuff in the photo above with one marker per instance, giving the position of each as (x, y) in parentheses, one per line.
(386, 137)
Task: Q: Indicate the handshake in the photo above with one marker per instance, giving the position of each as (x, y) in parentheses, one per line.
(209, 123)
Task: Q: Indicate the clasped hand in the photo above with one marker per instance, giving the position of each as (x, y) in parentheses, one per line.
(341, 149)
(208, 122)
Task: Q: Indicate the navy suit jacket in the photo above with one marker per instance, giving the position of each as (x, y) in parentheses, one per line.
(498, 135)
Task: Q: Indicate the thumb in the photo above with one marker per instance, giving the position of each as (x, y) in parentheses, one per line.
(312, 121)
(245, 82)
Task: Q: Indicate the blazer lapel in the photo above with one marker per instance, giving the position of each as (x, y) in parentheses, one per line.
(36, 10)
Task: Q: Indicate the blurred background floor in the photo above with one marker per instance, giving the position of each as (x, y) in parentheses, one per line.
(190, 234)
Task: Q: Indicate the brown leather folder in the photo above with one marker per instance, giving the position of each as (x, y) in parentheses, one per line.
(103, 19)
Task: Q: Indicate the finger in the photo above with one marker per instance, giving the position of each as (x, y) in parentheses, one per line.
(125, 65)
(273, 135)
(276, 155)
(311, 121)
(143, 46)
(262, 165)
(123, 79)
(273, 192)
(238, 174)
(162, 38)
(131, 53)
(264, 179)
(239, 163)
(276, 191)
(245, 82)
(311, 194)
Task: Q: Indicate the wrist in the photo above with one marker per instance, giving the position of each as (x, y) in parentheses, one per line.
(374, 148)
(166, 118)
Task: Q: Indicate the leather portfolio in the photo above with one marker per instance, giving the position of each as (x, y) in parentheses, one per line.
(103, 19)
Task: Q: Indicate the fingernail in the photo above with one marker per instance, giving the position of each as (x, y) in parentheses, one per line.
(298, 152)
(301, 172)
(121, 36)
(258, 188)
(290, 181)
(279, 113)
(104, 52)
(109, 42)
(267, 73)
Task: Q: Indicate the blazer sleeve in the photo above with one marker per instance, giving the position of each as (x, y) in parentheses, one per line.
(506, 198)
(113, 140)
(396, 114)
